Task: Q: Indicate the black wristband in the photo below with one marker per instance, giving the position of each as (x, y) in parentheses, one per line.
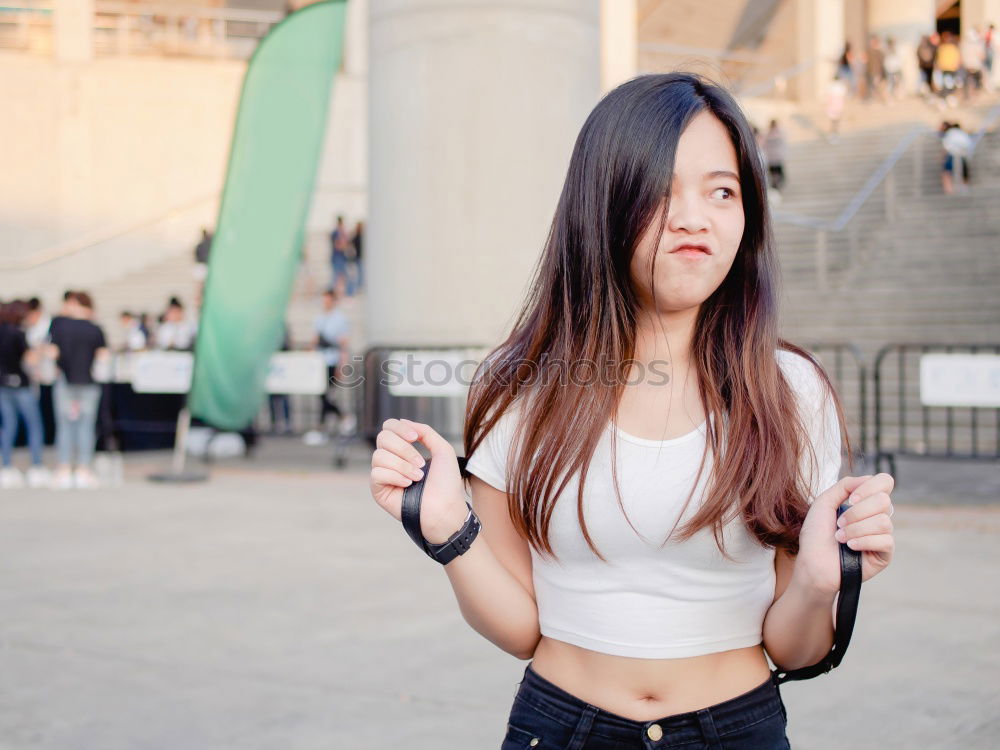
(457, 544)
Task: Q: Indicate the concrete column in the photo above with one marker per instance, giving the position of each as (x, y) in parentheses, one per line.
(905, 21)
(619, 42)
(73, 30)
(356, 38)
(474, 106)
(820, 40)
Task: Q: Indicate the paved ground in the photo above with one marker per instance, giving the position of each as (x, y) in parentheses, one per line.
(277, 607)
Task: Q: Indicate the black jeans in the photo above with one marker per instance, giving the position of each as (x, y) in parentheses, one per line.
(546, 717)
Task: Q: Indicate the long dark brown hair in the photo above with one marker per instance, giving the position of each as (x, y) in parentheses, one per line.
(582, 308)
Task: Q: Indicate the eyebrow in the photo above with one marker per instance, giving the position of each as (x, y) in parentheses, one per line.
(723, 173)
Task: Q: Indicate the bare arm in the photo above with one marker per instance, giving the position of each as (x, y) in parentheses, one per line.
(798, 628)
(492, 581)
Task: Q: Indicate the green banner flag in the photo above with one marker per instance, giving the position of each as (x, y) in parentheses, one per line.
(274, 155)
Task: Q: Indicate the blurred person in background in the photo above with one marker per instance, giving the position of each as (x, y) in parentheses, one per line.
(332, 338)
(989, 56)
(281, 407)
(144, 327)
(18, 399)
(201, 253)
(836, 96)
(926, 54)
(36, 324)
(973, 59)
(957, 150)
(875, 70)
(775, 148)
(176, 332)
(133, 339)
(340, 252)
(65, 312)
(357, 243)
(76, 344)
(893, 70)
(948, 61)
(846, 69)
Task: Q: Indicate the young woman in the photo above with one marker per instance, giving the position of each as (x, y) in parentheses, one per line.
(654, 469)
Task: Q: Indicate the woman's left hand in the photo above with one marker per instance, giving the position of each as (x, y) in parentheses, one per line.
(865, 527)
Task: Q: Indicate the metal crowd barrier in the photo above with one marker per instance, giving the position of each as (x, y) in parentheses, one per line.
(408, 382)
(933, 408)
(846, 367)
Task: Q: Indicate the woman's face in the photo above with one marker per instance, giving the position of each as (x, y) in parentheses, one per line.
(704, 223)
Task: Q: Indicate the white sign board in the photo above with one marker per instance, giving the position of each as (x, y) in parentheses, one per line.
(162, 372)
(960, 380)
(430, 372)
(170, 372)
(297, 372)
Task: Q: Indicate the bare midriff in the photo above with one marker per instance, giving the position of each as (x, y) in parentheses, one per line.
(647, 689)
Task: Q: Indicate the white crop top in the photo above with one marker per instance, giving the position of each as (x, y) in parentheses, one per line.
(679, 600)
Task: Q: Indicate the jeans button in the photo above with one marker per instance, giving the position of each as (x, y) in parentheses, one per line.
(655, 732)
(534, 741)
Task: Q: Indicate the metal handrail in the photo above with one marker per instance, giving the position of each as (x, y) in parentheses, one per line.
(121, 18)
(665, 48)
(864, 193)
(761, 88)
(854, 205)
(116, 7)
(992, 117)
(224, 14)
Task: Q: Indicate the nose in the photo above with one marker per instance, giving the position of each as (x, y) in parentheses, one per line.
(686, 213)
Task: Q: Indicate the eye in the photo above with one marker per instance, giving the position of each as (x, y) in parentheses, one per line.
(724, 193)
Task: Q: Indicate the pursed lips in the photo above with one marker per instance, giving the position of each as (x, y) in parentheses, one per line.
(692, 248)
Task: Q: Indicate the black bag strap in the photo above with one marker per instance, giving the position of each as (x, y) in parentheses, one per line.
(847, 602)
(410, 511)
(847, 610)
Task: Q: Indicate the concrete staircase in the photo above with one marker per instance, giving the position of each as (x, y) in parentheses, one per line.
(922, 268)
(925, 269)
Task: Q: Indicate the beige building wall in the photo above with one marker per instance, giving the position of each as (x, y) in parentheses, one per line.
(72, 34)
(114, 164)
(104, 159)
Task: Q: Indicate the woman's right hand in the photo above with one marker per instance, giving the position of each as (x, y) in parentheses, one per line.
(396, 464)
